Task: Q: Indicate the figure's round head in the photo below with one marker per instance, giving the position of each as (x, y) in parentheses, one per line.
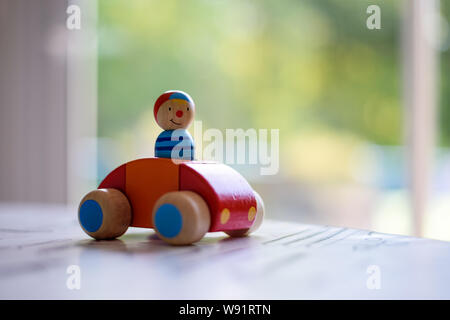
(174, 110)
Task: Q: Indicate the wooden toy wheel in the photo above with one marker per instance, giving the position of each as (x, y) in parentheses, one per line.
(104, 214)
(181, 217)
(259, 216)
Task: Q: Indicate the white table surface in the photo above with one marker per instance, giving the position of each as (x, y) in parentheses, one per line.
(280, 261)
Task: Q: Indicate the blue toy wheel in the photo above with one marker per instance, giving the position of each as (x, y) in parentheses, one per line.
(91, 215)
(181, 217)
(104, 214)
(168, 220)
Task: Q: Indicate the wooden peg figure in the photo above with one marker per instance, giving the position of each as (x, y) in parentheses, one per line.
(174, 111)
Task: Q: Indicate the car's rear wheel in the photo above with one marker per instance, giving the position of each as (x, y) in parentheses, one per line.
(181, 217)
(104, 214)
(258, 219)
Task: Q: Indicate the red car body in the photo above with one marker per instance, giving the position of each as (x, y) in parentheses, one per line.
(230, 198)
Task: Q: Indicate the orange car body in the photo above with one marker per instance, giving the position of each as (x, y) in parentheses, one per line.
(230, 198)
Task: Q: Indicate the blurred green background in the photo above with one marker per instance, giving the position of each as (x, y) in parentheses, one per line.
(309, 68)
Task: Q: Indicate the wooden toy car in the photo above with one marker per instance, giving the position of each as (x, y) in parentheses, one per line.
(181, 200)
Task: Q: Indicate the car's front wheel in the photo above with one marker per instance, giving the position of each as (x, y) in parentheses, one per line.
(104, 214)
(181, 217)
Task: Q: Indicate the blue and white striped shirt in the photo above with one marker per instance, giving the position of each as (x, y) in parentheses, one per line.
(175, 144)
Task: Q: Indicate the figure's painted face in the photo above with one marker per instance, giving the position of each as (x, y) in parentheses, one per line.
(175, 114)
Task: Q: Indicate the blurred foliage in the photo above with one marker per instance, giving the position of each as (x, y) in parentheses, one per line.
(310, 68)
(444, 115)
